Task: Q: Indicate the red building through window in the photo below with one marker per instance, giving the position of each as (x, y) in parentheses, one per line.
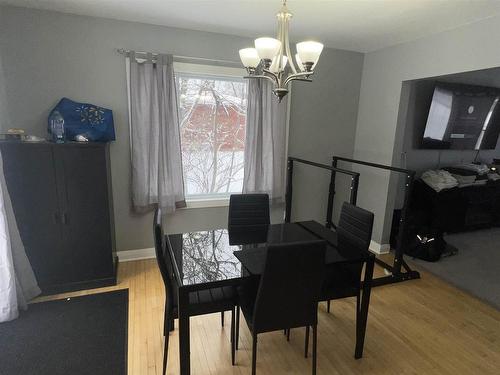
(213, 121)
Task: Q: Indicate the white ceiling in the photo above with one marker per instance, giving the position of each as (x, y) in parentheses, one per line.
(359, 25)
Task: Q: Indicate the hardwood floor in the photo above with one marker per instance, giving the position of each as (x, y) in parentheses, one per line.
(418, 327)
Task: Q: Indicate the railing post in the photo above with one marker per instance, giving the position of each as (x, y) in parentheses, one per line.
(398, 256)
(331, 196)
(288, 196)
(354, 189)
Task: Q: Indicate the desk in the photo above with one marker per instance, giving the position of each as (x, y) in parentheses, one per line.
(209, 259)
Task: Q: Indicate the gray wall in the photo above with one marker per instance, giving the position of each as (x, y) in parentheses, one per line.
(322, 124)
(46, 55)
(378, 139)
(4, 119)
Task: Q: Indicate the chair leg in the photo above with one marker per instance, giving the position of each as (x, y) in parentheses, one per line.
(237, 333)
(328, 306)
(306, 349)
(166, 322)
(165, 353)
(222, 318)
(233, 351)
(254, 354)
(315, 344)
(231, 336)
(358, 308)
(358, 319)
(288, 334)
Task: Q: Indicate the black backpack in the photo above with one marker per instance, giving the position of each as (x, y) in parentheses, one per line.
(427, 246)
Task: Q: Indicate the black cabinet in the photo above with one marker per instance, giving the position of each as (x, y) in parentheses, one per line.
(458, 209)
(61, 195)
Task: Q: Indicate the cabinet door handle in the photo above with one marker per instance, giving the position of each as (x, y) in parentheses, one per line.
(56, 217)
(64, 218)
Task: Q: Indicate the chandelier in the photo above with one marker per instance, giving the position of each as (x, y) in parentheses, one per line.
(272, 58)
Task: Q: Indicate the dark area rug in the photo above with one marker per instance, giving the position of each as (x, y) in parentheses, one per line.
(81, 335)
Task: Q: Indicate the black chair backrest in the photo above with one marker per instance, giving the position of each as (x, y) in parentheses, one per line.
(248, 210)
(174, 288)
(290, 286)
(160, 245)
(248, 234)
(163, 259)
(355, 227)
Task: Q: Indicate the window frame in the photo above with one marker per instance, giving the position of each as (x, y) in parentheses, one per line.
(217, 72)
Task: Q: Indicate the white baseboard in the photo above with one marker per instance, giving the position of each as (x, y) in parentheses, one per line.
(377, 248)
(130, 255)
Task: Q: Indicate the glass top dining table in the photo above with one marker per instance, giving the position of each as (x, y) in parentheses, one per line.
(221, 257)
(213, 256)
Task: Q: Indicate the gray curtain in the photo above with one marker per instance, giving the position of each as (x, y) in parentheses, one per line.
(265, 142)
(18, 284)
(154, 134)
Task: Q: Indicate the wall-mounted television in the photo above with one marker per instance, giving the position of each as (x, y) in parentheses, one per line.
(462, 117)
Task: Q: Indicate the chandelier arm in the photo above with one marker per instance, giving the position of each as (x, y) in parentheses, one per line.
(281, 39)
(261, 76)
(300, 79)
(302, 74)
(275, 77)
(299, 76)
(287, 46)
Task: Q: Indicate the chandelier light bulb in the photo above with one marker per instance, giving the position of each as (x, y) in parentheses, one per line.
(309, 52)
(267, 48)
(299, 62)
(274, 65)
(249, 57)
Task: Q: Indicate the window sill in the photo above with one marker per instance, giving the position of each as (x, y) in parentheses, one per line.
(206, 202)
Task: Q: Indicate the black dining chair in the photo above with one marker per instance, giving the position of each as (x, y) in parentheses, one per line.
(247, 210)
(288, 292)
(354, 233)
(247, 223)
(170, 311)
(202, 302)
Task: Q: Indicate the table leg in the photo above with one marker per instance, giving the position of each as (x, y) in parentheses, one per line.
(365, 303)
(237, 338)
(184, 340)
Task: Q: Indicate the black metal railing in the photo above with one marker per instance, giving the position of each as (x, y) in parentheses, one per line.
(395, 269)
(333, 170)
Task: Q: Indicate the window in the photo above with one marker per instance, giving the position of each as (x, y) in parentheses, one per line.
(213, 103)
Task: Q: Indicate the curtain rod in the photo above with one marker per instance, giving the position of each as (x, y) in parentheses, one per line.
(125, 52)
